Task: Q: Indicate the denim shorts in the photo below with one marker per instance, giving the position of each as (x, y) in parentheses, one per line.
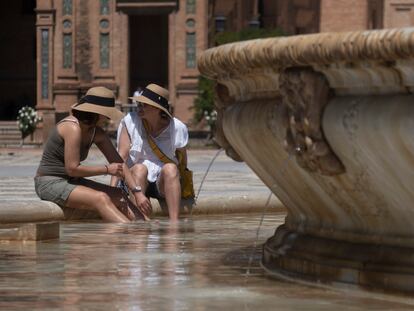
(55, 189)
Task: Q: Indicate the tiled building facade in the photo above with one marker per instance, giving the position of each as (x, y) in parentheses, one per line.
(54, 50)
(119, 44)
(311, 16)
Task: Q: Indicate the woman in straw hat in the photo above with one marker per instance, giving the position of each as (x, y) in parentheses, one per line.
(154, 177)
(60, 176)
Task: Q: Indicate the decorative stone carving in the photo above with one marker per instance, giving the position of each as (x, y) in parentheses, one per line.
(346, 99)
(222, 99)
(305, 94)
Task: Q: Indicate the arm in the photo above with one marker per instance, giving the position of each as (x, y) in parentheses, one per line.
(105, 145)
(123, 150)
(71, 134)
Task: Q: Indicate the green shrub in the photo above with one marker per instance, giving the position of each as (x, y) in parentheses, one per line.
(204, 102)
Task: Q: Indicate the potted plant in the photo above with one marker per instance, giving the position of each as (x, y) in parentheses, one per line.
(27, 119)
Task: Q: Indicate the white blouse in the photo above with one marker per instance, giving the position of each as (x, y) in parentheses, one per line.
(174, 136)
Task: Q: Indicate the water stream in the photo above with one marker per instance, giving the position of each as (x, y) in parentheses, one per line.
(280, 171)
(200, 187)
(205, 174)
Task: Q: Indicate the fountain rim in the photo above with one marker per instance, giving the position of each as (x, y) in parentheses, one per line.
(322, 49)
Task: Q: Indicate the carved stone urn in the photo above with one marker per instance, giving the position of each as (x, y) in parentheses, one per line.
(336, 111)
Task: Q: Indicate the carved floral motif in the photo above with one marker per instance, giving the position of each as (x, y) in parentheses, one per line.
(305, 94)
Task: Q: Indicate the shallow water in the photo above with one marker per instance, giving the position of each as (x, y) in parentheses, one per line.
(199, 264)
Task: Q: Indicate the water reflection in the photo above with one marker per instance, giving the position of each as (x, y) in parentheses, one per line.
(197, 264)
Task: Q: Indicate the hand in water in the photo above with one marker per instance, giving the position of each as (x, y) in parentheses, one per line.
(138, 212)
(143, 204)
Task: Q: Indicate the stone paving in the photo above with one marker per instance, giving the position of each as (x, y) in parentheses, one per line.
(229, 186)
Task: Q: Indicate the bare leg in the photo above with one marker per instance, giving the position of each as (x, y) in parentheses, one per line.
(170, 188)
(87, 198)
(139, 173)
(121, 200)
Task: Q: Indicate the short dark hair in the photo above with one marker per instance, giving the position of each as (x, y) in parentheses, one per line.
(86, 117)
(164, 115)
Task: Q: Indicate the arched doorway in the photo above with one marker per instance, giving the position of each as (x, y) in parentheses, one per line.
(17, 57)
(148, 53)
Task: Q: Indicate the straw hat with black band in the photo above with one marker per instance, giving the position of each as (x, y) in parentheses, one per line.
(99, 100)
(156, 96)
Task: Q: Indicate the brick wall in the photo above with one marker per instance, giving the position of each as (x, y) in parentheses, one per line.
(343, 15)
(182, 78)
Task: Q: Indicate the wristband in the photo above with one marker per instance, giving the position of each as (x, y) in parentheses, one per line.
(107, 169)
(136, 189)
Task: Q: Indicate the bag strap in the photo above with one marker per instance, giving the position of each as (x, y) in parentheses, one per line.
(161, 155)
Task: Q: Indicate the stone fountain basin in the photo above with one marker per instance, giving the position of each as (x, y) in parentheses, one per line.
(335, 111)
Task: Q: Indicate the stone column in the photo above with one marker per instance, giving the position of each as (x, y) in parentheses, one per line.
(336, 111)
(44, 64)
(65, 82)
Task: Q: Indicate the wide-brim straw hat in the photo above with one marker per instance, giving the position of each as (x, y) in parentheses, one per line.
(156, 96)
(99, 100)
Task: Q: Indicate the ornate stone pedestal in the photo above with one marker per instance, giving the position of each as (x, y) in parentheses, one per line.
(337, 110)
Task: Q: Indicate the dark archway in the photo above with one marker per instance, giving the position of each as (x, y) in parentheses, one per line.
(148, 52)
(17, 57)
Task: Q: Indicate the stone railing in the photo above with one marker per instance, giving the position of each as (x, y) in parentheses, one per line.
(337, 110)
